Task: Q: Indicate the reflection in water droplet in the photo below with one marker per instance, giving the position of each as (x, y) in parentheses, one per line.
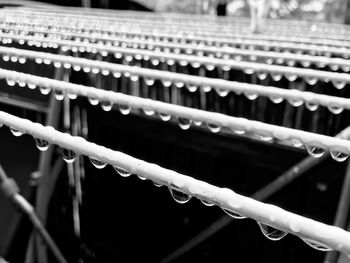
(97, 163)
(316, 245)
(315, 151)
(44, 90)
(311, 80)
(311, 106)
(221, 92)
(122, 172)
(339, 84)
(164, 116)
(148, 111)
(93, 101)
(191, 87)
(233, 214)
(68, 156)
(149, 81)
(206, 88)
(72, 96)
(179, 84)
(124, 109)
(250, 96)
(10, 82)
(30, 85)
(41, 144)
(106, 105)
(184, 123)
(179, 196)
(16, 132)
(291, 77)
(213, 127)
(206, 203)
(339, 156)
(271, 232)
(296, 143)
(262, 75)
(141, 177)
(276, 99)
(335, 109)
(59, 94)
(295, 102)
(276, 76)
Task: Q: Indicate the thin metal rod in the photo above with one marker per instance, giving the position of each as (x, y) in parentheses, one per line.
(342, 212)
(280, 182)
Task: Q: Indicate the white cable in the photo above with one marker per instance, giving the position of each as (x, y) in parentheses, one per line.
(312, 141)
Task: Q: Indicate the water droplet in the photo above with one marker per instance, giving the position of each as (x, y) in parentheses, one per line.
(97, 163)
(68, 156)
(296, 143)
(276, 99)
(339, 84)
(117, 74)
(122, 172)
(141, 177)
(210, 67)
(315, 151)
(86, 69)
(157, 185)
(155, 62)
(250, 95)
(148, 111)
(22, 84)
(311, 106)
(164, 116)
(233, 214)
(124, 109)
(106, 105)
(179, 196)
(6, 57)
(179, 84)
(311, 80)
(44, 90)
(264, 137)
(290, 76)
(31, 86)
(93, 101)
(262, 75)
(16, 132)
(191, 87)
(213, 127)
(276, 76)
(166, 83)
(316, 245)
(41, 144)
(295, 102)
(221, 92)
(271, 232)
(184, 123)
(248, 71)
(105, 72)
(59, 94)
(305, 64)
(67, 65)
(334, 67)
(335, 109)
(72, 96)
(291, 62)
(339, 156)
(10, 82)
(206, 203)
(238, 131)
(75, 67)
(149, 81)
(195, 64)
(134, 78)
(206, 88)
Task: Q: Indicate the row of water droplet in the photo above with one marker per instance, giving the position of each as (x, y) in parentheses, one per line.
(180, 197)
(45, 90)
